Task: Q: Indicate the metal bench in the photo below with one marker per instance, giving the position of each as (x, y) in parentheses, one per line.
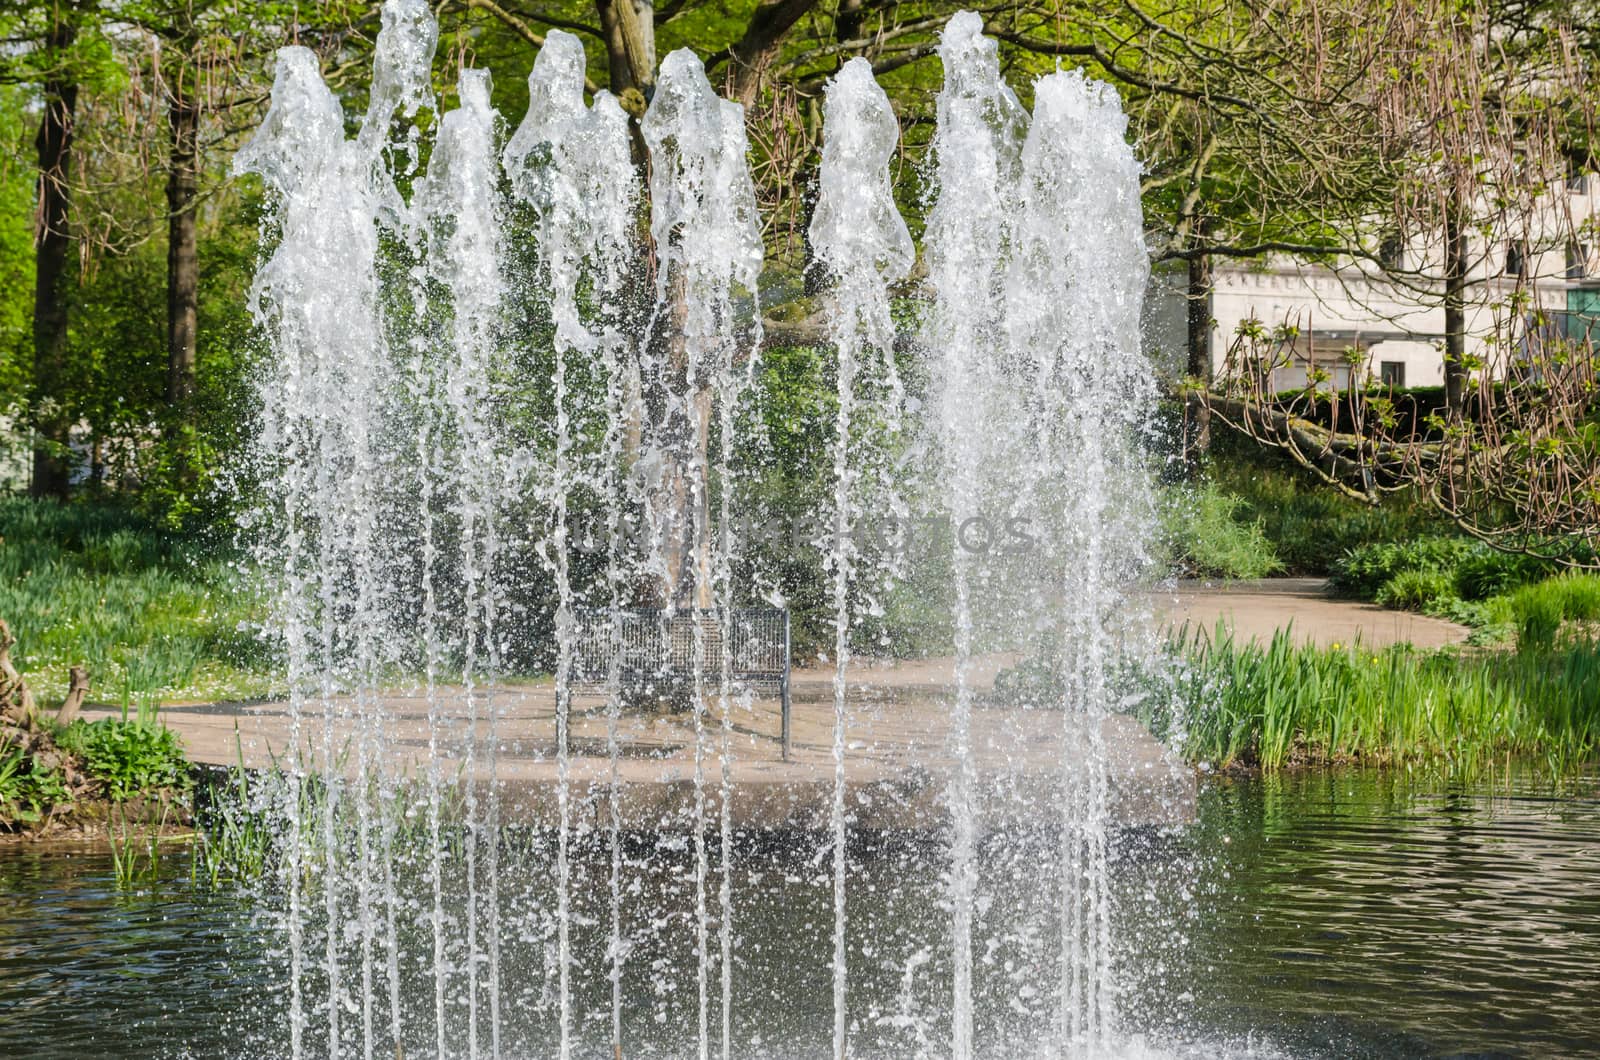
(653, 650)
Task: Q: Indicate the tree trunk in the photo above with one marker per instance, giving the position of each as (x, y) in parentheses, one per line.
(847, 23)
(768, 25)
(1197, 424)
(681, 502)
(16, 702)
(77, 691)
(52, 242)
(630, 32)
(183, 264)
(1455, 316)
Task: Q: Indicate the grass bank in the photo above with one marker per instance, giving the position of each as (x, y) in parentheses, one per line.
(1505, 597)
(151, 616)
(1305, 525)
(1239, 703)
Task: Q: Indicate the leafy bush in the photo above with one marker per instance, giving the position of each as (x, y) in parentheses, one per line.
(1208, 536)
(1479, 614)
(1363, 571)
(27, 790)
(1416, 590)
(129, 757)
(1486, 572)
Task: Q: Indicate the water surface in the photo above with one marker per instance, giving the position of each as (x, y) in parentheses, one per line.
(1344, 914)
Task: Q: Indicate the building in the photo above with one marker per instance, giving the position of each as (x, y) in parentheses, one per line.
(1355, 319)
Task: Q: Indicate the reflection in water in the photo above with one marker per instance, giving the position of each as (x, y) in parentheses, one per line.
(1374, 915)
(1341, 914)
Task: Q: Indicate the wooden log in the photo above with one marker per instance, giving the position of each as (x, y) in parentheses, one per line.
(15, 698)
(77, 689)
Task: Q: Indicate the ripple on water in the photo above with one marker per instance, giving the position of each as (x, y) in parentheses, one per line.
(1322, 915)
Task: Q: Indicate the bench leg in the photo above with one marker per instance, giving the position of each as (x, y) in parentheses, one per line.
(787, 731)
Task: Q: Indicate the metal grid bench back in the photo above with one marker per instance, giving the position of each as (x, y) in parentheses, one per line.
(657, 646)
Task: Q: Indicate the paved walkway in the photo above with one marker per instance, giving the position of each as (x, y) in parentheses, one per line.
(898, 760)
(1255, 609)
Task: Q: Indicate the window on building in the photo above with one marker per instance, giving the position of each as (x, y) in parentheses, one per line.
(1517, 259)
(1392, 252)
(1392, 373)
(1577, 261)
(1577, 179)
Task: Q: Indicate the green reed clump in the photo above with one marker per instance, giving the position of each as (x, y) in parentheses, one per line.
(1540, 611)
(1207, 535)
(1241, 703)
(148, 612)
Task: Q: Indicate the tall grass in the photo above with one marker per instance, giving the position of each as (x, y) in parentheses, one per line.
(1206, 535)
(149, 614)
(1281, 704)
(1541, 610)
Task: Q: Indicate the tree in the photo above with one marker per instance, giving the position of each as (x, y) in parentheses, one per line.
(50, 53)
(1482, 112)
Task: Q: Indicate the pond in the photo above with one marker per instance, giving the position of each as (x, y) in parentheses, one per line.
(1344, 914)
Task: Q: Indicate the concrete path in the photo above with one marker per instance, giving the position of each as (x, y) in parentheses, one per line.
(1256, 609)
(898, 761)
(898, 737)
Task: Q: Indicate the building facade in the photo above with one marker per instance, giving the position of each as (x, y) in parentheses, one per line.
(1357, 321)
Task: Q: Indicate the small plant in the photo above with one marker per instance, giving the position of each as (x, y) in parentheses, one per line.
(28, 791)
(129, 757)
(135, 856)
(1417, 590)
(233, 837)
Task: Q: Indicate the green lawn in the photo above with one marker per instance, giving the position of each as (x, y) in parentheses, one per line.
(153, 616)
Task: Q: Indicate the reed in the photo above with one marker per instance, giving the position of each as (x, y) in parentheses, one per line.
(1232, 703)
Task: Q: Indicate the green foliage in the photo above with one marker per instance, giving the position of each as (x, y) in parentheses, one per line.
(1541, 610)
(135, 853)
(1416, 590)
(143, 609)
(28, 790)
(1207, 536)
(129, 757)
(234, 840)
(1308, 525)
(1242, 703)
(1363, 571)
(1487, 572)
(16, 254)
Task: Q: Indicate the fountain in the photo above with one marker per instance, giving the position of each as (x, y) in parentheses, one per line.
(513, 433)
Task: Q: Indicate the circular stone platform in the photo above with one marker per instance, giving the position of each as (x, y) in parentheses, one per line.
(898, 761)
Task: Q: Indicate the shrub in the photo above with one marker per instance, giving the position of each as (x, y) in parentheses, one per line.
(1207, 535)
(1486, 572)
(28, 790)
(1364, 570)
(1309, 525)
(129, 757)
(1416, 590)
